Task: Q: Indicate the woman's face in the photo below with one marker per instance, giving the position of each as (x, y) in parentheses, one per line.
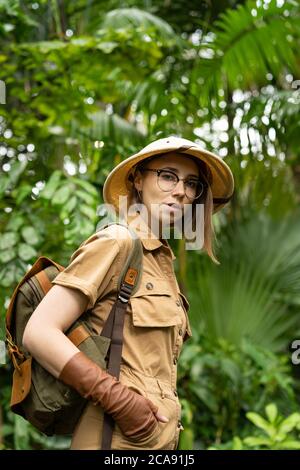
(157, 201)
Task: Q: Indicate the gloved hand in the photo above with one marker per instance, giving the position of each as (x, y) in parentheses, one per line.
(133, 413)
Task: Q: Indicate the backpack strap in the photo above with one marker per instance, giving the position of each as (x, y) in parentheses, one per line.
(130, 277)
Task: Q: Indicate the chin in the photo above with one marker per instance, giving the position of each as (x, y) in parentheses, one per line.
(170, 221)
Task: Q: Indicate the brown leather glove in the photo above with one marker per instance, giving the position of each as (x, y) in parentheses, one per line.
(133, 413)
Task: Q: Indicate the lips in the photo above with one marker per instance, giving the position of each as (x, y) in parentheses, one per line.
(173, 205)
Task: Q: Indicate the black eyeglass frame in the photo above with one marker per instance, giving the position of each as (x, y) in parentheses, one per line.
(160, 170)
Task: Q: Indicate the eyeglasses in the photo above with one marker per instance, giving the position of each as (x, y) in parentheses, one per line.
(167, 181)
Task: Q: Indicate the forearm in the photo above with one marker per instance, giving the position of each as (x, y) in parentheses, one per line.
(134, 413)
(43, 335)
(49, 346)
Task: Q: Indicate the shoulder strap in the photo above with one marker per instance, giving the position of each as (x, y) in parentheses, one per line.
(129, 278)
(131, 272)
(128, 283)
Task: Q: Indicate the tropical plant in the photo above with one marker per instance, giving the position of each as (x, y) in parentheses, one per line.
(255, 292)
(220, 382)
(274, 433)
(88, 83)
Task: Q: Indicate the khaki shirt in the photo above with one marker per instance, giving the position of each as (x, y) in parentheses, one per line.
(155, 327)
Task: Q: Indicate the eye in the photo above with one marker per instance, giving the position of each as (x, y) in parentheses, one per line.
(192, 184)
(167, 176)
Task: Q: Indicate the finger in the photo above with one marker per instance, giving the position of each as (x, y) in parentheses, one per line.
(161, 418)
(153, 407)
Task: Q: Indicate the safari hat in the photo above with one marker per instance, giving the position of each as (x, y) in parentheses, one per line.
(118, 181)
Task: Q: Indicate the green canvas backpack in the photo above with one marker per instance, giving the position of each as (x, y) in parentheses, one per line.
(46, 402)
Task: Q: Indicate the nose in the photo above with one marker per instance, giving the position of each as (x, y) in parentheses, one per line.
(179, 188)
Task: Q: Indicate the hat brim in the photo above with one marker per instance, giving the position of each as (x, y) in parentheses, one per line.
(222, 185)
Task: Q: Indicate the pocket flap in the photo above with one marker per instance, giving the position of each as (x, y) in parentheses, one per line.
(154, 304)
(153, 286)
(21, 382)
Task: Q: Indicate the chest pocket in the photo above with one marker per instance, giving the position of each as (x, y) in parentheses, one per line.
(154, 304)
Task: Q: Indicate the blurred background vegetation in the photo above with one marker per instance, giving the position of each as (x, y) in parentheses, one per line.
(88, 83)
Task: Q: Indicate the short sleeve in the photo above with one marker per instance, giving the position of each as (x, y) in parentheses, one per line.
(94, 265)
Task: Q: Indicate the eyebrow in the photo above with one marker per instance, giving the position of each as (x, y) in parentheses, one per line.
(176, 171)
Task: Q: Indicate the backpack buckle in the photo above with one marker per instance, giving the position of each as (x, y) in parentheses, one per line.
(125, 301)
(124, 293)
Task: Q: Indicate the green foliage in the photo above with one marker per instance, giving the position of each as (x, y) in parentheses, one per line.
(274, 433)
(88, 84)
(221, 382)
(134, 17)
(63, 210)
(255, 292)
(280, 112)
(241, 52)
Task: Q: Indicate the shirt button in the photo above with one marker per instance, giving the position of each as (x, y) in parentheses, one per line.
(180, 332)
(178, 302)
(175, 393)
(149, 285)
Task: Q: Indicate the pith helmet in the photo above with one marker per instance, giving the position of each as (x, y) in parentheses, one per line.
(118, 184)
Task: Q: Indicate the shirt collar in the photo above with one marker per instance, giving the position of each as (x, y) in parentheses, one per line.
(148, 239)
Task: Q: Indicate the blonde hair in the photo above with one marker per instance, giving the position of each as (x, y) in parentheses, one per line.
(206, 198)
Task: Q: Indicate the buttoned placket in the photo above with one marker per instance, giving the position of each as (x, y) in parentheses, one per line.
(165, 258)
(168, 269)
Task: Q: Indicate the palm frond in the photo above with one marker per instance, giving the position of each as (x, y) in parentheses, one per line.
(249, 42)
(136, 18)
(105, 139)
(105, 126)
(255, 293)
(283, 110)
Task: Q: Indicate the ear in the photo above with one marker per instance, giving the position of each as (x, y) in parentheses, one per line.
(138, 181)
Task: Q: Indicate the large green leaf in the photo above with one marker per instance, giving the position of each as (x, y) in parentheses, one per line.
(8, 240)
(289, 423)
(26, 252)
(261, 423)
(30, 235)
(250, 41)
(271, 412)
(136, 18)
(51, 185)
(289, 445)
(62, 195)
(241, 298)
(7, 255)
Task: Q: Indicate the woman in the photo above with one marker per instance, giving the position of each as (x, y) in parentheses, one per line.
(165, 178)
